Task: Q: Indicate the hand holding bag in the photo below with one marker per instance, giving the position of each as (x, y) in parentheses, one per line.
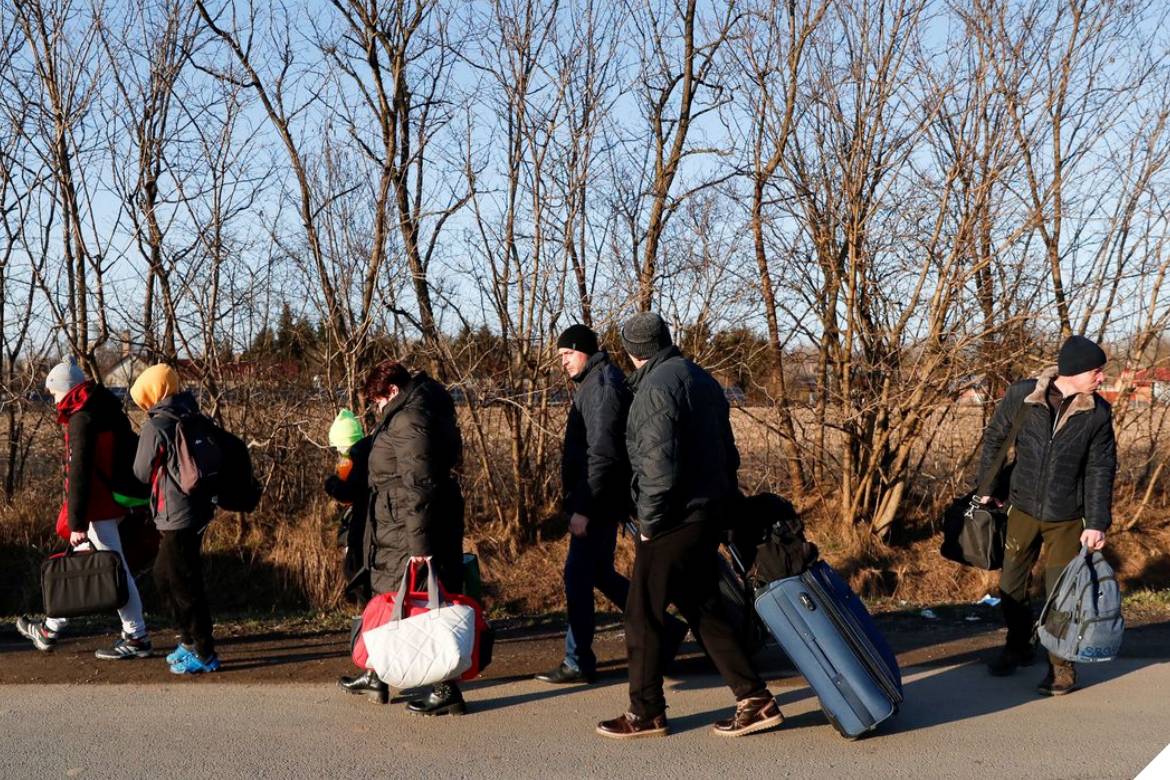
(427, 647)
(975, 534)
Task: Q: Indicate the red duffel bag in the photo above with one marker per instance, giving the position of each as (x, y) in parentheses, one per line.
(379, 611)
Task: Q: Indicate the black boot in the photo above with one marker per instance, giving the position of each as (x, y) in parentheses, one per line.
(1009, 659)
(1017, 616)
(445, 698)
(565, 675)
(367, 683)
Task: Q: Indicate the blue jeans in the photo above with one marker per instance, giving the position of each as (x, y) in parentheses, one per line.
(588, 566)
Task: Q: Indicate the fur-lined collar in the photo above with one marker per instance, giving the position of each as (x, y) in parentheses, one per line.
(1082, 402)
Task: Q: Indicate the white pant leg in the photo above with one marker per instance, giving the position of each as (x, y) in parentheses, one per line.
(104, 535)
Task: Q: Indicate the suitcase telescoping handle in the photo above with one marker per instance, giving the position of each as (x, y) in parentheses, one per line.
(740, 569)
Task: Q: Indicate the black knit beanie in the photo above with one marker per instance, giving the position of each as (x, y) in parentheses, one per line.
(578, 337)
(645, 334)
(1078, 355)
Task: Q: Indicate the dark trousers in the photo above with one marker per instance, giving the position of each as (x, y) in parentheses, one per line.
(588, 566)
(178, 575)
(1026, 536)
(680, 566)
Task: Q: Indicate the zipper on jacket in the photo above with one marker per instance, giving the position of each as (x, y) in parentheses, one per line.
(1056, 417)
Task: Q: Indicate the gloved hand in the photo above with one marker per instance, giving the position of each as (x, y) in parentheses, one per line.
(335, 487)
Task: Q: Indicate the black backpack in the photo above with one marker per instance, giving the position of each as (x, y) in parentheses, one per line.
(768, 535)
(206, 460)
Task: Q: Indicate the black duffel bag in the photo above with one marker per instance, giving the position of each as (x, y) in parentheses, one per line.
(975, 534)
(86, 582)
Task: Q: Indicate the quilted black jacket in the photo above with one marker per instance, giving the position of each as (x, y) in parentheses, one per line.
(595, 472)
(1064, 467)
(680, 444)
(416, 503)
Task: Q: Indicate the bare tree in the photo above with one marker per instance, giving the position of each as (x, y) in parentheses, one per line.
(58, 77)
(770, 55)
(678, 85)
(147, 44)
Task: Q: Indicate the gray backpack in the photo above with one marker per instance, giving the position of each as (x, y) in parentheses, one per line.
(1081, 621)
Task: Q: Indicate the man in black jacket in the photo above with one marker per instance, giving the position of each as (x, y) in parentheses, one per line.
(595, 480)
(1061, 494)
(684, 462)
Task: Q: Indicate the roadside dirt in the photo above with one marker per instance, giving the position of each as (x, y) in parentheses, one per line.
(297, 651)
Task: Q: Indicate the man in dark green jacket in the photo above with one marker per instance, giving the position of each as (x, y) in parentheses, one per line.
(684, 461)
(1061, 494)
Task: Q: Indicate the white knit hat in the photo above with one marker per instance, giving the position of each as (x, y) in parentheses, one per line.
(63, 377)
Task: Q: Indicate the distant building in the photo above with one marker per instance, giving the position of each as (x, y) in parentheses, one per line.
(126, 370)
(1142, 386)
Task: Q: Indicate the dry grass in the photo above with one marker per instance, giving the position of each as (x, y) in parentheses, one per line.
(285, 557)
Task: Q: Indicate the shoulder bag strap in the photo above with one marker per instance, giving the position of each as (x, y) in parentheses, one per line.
(984, 487)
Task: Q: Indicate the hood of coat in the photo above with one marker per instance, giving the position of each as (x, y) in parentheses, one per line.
(1082, 402)
(178, 405)
(91, 396)
(405, 393)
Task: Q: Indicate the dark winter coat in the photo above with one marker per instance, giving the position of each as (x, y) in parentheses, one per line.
(1064, 467)
(416, 505)
(680, 443)
(94, 422)
(173, 509)
(355, 491)
(595, 472)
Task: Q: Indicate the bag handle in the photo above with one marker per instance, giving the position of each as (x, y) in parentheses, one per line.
(434, 589)
(984, 487)
(1094, 580)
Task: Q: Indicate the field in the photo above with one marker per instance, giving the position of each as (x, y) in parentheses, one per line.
(285, 557)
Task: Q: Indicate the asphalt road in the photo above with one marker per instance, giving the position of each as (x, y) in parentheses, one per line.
(956, 722)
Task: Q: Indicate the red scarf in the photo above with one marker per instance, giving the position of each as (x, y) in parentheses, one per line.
(73, 401)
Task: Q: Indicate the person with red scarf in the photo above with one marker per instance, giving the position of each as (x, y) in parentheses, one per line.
(94, 423)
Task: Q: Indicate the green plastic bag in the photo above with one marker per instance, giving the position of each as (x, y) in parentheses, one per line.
(345, 431)
(129, 502)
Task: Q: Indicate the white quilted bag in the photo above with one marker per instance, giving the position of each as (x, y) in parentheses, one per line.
(425, 648)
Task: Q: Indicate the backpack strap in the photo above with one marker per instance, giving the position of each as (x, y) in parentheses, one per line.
(984, 487)
(1056, 586)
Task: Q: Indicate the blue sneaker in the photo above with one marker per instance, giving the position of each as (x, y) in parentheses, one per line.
(179, 653)
(193, 664)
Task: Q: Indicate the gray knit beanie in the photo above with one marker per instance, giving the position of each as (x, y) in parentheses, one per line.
(63, 377)
(645, 334)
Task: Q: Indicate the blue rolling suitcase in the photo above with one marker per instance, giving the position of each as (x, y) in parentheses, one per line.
(831, 638)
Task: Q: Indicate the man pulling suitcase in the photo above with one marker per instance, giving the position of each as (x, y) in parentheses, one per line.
(684, 463)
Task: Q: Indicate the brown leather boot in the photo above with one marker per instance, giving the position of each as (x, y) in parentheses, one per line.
(751, 715)
(1061, 679)
(630, 726)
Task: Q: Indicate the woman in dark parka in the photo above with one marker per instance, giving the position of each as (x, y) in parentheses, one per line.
(415, 503)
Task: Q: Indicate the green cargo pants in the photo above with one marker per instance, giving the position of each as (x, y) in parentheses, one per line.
(1025, 536)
